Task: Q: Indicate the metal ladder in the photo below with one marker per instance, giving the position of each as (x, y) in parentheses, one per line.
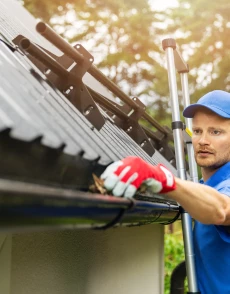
(175, 62)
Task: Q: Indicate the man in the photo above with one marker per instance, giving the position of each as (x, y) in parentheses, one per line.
(207, 202)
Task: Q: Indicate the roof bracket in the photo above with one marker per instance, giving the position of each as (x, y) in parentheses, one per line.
(132, 127)
(66, 75)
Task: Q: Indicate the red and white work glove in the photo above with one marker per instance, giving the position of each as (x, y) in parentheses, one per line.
(124, 177)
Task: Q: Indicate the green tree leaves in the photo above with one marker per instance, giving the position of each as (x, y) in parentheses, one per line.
(204, 28)
(121, 35)
(125, 39)
(174, 255)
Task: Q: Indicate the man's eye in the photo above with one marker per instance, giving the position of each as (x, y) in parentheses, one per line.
(195, 132)
(216, 132)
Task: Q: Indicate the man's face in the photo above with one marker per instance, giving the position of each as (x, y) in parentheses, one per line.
(211, 139)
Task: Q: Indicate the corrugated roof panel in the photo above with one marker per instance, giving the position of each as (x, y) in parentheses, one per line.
(16, 96)
(5, 121)
(25, 129)
(53, 116)
(40, 104)
(69, 119)
(132, 148)
(123, 140)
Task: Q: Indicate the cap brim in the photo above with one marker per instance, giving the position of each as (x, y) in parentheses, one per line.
(191, 109)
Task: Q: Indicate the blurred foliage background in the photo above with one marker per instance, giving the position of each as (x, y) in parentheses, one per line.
(125, 39)
(174, 253)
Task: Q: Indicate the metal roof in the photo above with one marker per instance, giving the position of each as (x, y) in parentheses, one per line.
(44, 138)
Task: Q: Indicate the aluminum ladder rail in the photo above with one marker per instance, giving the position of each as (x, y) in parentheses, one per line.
(175, 61)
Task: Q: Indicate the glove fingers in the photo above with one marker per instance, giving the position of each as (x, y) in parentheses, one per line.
(154, 185)
(123, 173)
(111, 169)
(121, 187)
(138, 181)
(112, 178)
(110, 182)
(130, 191)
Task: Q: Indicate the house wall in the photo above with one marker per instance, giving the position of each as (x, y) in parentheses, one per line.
(124, 260)
(5, 263)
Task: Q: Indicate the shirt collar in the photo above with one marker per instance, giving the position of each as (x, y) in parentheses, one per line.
(220, 175)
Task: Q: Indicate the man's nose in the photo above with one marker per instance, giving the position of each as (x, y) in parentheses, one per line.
(204, 139)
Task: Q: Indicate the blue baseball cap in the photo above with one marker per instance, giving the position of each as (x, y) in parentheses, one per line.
(217, 101)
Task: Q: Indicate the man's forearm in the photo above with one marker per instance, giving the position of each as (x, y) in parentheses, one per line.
(203, 203)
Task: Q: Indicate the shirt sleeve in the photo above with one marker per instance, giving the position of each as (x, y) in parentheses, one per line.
(225, 190)
(224, 231)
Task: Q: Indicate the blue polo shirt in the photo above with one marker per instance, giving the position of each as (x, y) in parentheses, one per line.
(212, 244)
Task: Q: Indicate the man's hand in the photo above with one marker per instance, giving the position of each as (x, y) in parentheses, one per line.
(125, 177)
